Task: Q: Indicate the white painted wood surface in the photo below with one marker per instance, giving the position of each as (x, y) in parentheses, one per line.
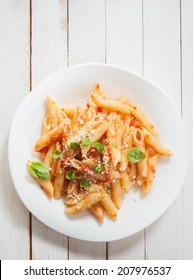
(162, 66)
(14, 85)
(49, 54)
(38, 37)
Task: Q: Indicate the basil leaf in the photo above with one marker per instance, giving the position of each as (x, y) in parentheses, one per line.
(38, 170)
(152, 126)
(135, 155)
(84, 184)
(57, 154)
(85, 142)
(74, 145)
(98, 168)
(70, 175)
(98, 145)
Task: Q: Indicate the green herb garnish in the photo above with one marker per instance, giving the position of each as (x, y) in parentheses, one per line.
(135, 155)
(84, 184)
(98, 168)
(85, 142)
(74, 145)
(70, 175)
(98, 145)
(152, 126)
(57, 154)
(38, 170)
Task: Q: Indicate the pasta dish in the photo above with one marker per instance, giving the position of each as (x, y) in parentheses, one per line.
(92, 156)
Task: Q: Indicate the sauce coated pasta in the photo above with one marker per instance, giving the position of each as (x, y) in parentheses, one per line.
(92, 156)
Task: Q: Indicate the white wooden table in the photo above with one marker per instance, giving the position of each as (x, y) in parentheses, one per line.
(38, 37)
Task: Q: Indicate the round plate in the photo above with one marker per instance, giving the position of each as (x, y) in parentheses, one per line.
(72, 86)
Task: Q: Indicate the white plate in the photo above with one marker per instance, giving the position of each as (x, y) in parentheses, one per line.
(72, 86)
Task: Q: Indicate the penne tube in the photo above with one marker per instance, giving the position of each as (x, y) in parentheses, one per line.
(97, 211)
(96, 135)
(51, 111)
(58, 185)
(119, 134)
(69, 111)
(46, 125)
(84, 204)
(112, 141)
(154, 143)
(148, 181)
(55, 168)
(62, 116)
(75, 197)
(110, 104)
(99, 90)
(46, 186)
(90, 162)
(109, 206)
(83, 132)
(72, 187)
(138, 114)
(126, 146)
(125, 181)
(99, 131)
(91, 112)
(132, 170)
(139, 180)
(49, 156)
(138, 139)
(47, 139)
(116, 193)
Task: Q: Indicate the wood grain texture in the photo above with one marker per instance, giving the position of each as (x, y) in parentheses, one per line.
(86, 31)
(124, 47)
(49, 54)
(187, 102)
(14, 75)
(86, 44)
(162, 66)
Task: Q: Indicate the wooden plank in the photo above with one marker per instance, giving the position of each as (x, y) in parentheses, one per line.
(162, 66)
(187, 102)
(86, 44)
(49, 54)
(124, 47)
(14, 71)
(86, 31)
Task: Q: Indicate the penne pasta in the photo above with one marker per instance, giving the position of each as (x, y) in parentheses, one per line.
(116, 193)
(46, 186)
(144, 120)
(58, 185)
(126, 183)
(148, 182)
(92, 156)
(109, 206)
(154, 143)
(69, 111)
(110, 104)
(49, 138)
(114, 147)
(84, 204)
(48, 160)
(126, 145)
(138, 140)
(51, 111)
(97, 211)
